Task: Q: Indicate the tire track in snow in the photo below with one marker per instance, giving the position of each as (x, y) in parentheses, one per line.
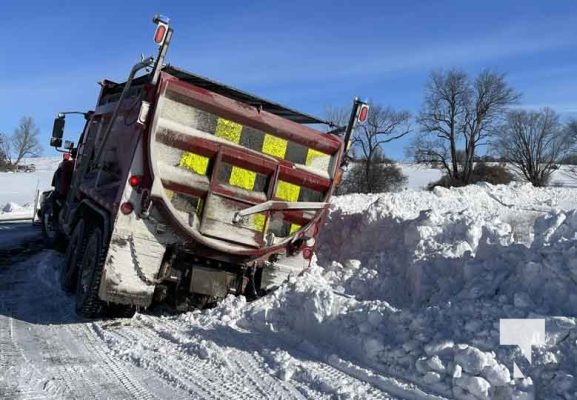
(248, 363)
(313, 380)
(112, 369)
(119, 341)
(49, 348)
(9, 356)
(66, 359)
(245, 362)
(409, 391)
(320, 379)
(11, 360)
(224, 375)
(210, 375)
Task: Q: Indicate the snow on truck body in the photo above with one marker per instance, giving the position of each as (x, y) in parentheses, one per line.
(184, 187)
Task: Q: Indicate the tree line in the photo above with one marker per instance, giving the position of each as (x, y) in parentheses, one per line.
(22, 143)
(463, 123)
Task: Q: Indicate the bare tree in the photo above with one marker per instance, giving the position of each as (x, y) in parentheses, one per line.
(571, 128)
(458, 117)
(534, 142)
(383, 176)
(382, 126)
(5, 161)
(338, 116)
(25, 140)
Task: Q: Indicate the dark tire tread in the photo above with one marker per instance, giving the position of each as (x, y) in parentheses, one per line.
(90, 306)
(58, 242)
(68, 277)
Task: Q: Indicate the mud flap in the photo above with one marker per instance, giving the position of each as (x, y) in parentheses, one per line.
(131, 268)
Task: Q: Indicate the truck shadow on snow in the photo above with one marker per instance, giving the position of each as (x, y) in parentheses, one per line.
(30, 289)
(18, 240)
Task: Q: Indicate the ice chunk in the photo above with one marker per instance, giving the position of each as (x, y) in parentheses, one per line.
(472, 360)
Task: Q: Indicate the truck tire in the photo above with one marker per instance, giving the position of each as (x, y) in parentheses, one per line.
(90, 267)
(76, 247)
(53, 237)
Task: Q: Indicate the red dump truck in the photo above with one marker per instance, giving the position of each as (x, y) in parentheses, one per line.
(183, 190)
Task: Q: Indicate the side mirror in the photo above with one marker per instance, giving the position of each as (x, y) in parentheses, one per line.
(57, 131)
(68, 144)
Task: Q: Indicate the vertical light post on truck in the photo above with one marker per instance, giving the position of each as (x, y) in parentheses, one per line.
(359, 114)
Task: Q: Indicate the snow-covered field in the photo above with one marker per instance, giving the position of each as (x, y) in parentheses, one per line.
(403, 302)
(18, 189)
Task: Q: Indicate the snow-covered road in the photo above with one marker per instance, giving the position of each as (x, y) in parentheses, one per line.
(47, 352)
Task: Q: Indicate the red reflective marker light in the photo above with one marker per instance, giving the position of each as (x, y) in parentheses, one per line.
(363, 113)
(134, 180)
(126, 208)
(160, 33)
(307, 253)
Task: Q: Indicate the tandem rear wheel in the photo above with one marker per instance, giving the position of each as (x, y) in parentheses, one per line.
(89, 255)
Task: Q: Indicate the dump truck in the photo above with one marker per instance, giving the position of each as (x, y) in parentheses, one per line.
(183, 190)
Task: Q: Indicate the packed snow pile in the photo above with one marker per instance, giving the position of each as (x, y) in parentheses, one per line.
(13, 210)
(11, 207)
(413, 285)
(43, 163)
(433, 273)
(424, 248)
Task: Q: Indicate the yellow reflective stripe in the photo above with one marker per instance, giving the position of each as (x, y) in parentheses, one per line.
(231, 131)
(242, 178)
(199, 206)
(258, 221)
(313, 154)
(274, 146)
(294, 228)
(228, 130)
(194, 162)
(287, 191)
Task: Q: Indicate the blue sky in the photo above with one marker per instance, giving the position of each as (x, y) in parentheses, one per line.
(306, 54)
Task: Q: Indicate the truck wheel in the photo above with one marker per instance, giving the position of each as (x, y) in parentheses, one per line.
(52, 235)
(88, 304)
(76, 247)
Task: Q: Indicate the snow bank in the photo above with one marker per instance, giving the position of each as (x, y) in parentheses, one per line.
(414, 285)
(11, 211)
(11, 207)
(425, 248)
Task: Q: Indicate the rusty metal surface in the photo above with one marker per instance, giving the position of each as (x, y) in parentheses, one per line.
(244, 97)
(252, 116)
